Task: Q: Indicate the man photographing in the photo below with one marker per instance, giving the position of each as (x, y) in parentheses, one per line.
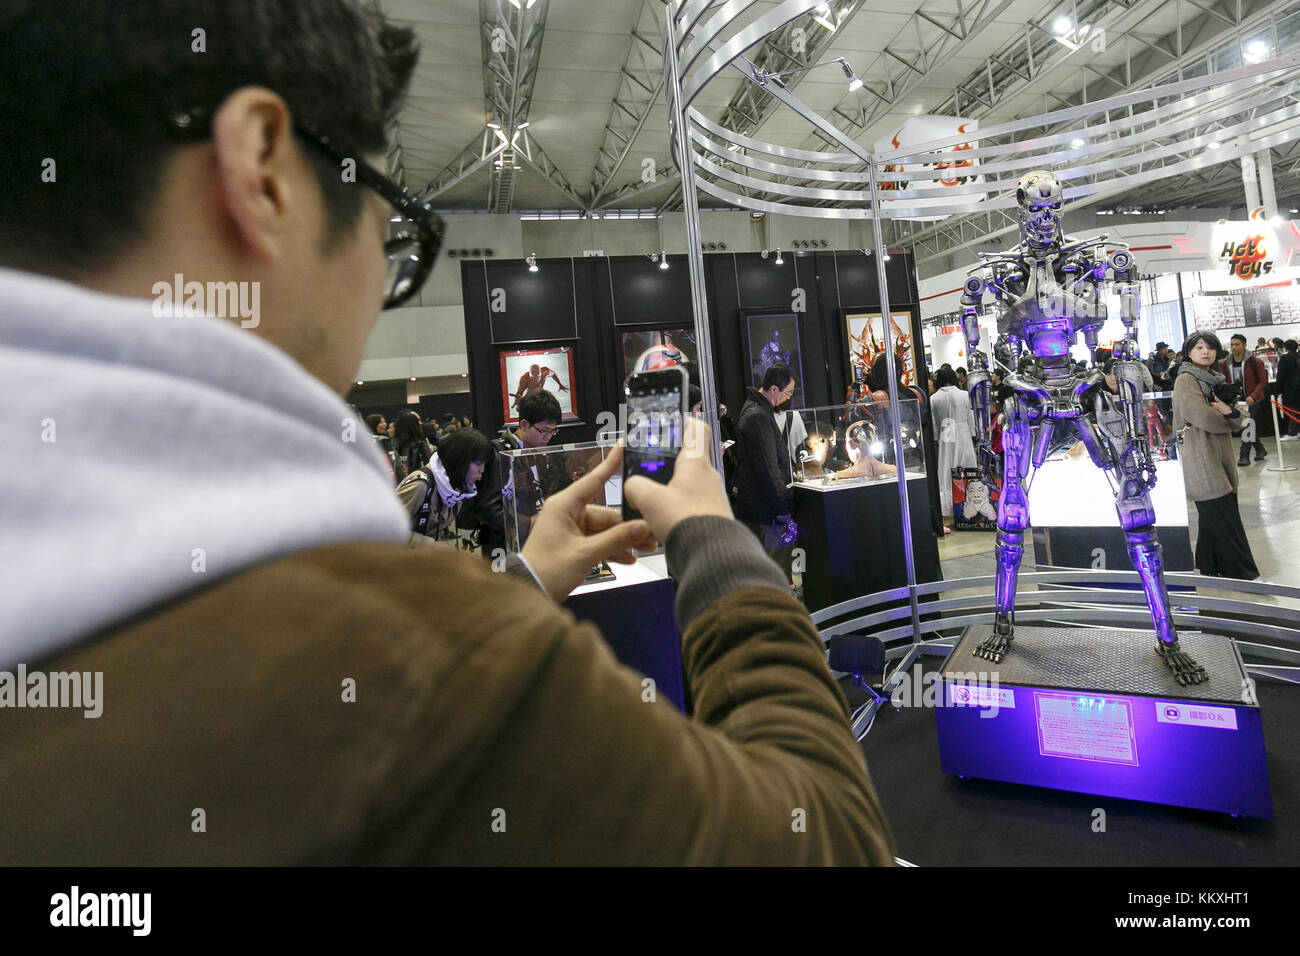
(272, 651)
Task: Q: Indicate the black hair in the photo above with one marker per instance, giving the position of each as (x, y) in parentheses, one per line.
(430, 432)
(1238, 335)
(93, 86)
(372, 422)
(778, 374)
(407, 431)
(1211, 340)
(540, 407)
(1290, 345)
(945, 376)
(459, 450)
(695, 395)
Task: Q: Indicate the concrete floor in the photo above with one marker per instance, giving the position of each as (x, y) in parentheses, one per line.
(1270, 511)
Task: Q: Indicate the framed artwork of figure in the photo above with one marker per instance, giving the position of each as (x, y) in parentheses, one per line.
(865, 332)
(525, 371)
(772, 339)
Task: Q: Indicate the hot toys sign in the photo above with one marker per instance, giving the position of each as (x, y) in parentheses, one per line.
(1246, 249)
(952, 170)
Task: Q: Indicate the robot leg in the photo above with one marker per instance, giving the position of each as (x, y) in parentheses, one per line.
(1013, 518)
(1147, 557)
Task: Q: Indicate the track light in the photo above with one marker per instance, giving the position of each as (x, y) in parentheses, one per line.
(493, 124)
(532, 261)
(854, 83)
(523, 125)
(663, 260)
(779, 260)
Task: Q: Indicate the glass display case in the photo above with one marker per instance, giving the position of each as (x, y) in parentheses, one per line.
(836, 446)
(529, 476)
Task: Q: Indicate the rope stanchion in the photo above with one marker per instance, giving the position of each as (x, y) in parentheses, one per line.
(1277, 435)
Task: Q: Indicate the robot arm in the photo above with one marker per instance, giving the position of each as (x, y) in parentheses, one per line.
(978, 382)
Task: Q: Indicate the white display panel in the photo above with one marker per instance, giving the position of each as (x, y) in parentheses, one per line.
(1073, 493)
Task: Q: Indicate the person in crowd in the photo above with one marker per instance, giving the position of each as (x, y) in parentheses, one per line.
(1001, 390)
(430, 431)
(377, 425)
(961, 376)
(1160, 366)
(763, 500)
(954, 423)
(1206, 424)
(450, 423)
(1246, 370)
(228, 607)
(434, 494)
(793, 430)
(409, 444)
(465, 422)
(1261, 345)
(1288, 390)
(527, 485)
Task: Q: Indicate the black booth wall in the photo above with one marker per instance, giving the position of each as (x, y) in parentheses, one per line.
(588, 303)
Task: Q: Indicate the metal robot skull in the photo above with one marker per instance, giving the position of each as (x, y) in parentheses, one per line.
(1046, 291)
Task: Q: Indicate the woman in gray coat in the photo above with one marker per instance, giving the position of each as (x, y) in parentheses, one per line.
(1205, 425)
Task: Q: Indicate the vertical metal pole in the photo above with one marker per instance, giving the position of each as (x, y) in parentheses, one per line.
(694, 250)
(1277, 443)
(890, 364)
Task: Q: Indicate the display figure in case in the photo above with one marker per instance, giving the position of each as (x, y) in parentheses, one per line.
(1045, 291)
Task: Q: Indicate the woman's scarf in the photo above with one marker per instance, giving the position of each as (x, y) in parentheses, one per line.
(450, 496)
(1206, 378)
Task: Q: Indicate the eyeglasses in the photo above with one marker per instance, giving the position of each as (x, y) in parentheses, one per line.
(411, 252)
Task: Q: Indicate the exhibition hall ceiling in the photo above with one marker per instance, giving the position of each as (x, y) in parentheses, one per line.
(576, 85)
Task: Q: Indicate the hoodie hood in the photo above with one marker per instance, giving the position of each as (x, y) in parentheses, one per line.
(146, 457)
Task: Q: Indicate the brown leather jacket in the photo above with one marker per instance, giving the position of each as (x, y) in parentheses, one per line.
(487, 728)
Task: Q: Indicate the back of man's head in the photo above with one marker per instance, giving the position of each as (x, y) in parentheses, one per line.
(89, 89)
(778, 375)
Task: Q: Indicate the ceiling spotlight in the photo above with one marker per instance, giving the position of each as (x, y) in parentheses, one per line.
(1256, 51)
(663, 260)
(523, 125)
(1076, 142)
(527, 5)
(1214, 146)
(1294, 211)
(361, 383)
(532, 262)
(854, 83)
(886, 257)
(493, 124)
(412, 378)
(779, 260)
(1062, 26)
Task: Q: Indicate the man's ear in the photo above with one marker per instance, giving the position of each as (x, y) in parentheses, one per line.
(252, 134)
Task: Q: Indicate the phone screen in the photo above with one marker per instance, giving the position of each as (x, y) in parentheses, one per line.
(654, 427)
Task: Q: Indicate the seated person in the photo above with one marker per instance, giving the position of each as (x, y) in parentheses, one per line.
(858, 441)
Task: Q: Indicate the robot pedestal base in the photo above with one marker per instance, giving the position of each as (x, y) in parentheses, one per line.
(1096, 711)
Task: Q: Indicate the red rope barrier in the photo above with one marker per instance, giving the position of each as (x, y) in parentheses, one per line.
(1290, 413)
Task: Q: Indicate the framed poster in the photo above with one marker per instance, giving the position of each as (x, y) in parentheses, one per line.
(525, 371)
(635, 343)
(975, 498)
(772, 339)
(866, 342)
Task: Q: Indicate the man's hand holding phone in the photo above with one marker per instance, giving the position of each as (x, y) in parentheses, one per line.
(695, 489)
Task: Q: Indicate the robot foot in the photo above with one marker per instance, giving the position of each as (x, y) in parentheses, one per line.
(1186, 670)
(994, 648)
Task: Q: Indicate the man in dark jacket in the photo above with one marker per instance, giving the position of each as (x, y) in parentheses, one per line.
(526, 485)
(1241, 367)
(284, 680)
(763, 467)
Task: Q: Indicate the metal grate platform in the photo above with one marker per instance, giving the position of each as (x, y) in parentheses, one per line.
(1106, 660)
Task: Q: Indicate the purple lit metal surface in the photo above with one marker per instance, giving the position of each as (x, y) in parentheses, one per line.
(1171, 746)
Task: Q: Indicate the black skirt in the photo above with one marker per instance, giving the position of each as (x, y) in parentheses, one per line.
(1221, 546)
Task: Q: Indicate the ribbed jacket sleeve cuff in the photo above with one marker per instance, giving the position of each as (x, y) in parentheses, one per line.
(517, 567)
(710, 556)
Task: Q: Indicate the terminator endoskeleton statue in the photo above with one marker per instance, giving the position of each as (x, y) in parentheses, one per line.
(1045, 292)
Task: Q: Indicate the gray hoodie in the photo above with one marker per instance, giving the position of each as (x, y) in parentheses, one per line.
(144, 457)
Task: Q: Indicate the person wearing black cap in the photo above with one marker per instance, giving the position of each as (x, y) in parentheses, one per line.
(1160, 364)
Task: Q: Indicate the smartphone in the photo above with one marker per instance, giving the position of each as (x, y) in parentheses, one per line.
(656, 414)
